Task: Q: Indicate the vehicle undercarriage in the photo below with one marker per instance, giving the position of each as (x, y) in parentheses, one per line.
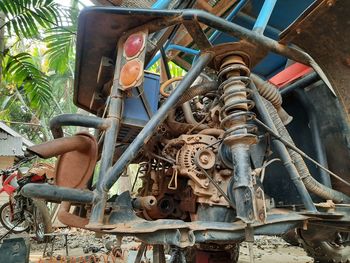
(217, 152)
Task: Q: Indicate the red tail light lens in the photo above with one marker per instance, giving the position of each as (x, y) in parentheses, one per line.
(131, 73)
(134, 44)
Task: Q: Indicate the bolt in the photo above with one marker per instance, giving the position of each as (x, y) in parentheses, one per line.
(262, 216)
(330, 3)
(204, 159)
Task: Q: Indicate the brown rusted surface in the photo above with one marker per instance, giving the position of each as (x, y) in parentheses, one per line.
(323, 32)
(249, 53)
(75, 168)
(141, 226)
(78, 156)
(184, 39)
(69, 219)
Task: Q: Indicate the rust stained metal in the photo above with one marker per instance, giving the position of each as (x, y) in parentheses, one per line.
(78, 156)
(143, 226)
(75, 168)
(322, 32)
(70, 219)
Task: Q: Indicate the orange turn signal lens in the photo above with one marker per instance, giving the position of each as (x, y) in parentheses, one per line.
(130, 73)
(133, 44)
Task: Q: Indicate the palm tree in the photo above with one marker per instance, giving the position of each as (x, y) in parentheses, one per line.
(30, 78)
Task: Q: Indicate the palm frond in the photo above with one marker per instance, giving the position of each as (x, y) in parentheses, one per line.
(26, 17)
(60, 48)
(21, 70)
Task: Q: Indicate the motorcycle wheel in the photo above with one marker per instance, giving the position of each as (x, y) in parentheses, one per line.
(42, 221)
(5, 220)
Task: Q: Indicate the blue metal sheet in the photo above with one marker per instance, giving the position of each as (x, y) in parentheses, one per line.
(284, 13)
(135, 113)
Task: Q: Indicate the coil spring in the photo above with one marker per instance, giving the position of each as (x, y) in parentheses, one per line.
(235, 114)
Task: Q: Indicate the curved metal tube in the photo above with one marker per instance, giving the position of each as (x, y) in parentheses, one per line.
(57, 122)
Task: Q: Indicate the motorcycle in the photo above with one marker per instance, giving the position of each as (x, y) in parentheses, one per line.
(22, 214)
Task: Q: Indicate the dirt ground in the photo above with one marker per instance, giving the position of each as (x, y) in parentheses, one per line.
(266, 249)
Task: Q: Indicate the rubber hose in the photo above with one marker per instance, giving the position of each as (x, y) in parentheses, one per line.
(310, 183)
(198, 90)
(270, 92)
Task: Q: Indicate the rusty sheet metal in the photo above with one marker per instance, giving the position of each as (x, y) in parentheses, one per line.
(70, 219)
(323, 32)
(143, 226)
(93, 44)
(78, 156)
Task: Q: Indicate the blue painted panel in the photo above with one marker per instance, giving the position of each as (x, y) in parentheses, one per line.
(284, 13)
(134, 111)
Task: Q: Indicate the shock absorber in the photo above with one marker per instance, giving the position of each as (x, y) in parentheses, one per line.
(239, 132)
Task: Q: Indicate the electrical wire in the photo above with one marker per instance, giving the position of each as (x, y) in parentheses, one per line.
(297, 150)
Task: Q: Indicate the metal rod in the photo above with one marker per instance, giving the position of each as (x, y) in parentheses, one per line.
(294, 148)
(282, 152)
(233, 13)
(173, 47)
(264, 16)
(57, 122)
(57, 193)
(212, 38)
(165, 61)
(252, 37)
(301, 83)
(315, 136)
(161, 4)
(114, 118)
(156, 120)
(140, 252)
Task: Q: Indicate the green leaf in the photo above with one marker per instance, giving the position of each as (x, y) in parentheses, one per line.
(24, 73)
(27, 17)
(60, 46)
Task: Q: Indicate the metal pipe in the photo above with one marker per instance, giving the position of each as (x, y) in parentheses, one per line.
(233, 13)
(186, 108)
(114, 117)
(315, 136)
(282, 152)
(295, 155)
(165, 62)
(57, 122)
(253, 37)
(156, 120)
(173, 47)
(264, 16)
(198, 90)
(161, 4)
(301, 83)
(57, 193)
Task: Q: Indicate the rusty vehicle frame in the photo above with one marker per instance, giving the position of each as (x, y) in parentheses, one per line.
(121, 217)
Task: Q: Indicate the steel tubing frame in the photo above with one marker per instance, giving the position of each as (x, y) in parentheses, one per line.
(107, 180)
(283, 153)
(109, 174)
